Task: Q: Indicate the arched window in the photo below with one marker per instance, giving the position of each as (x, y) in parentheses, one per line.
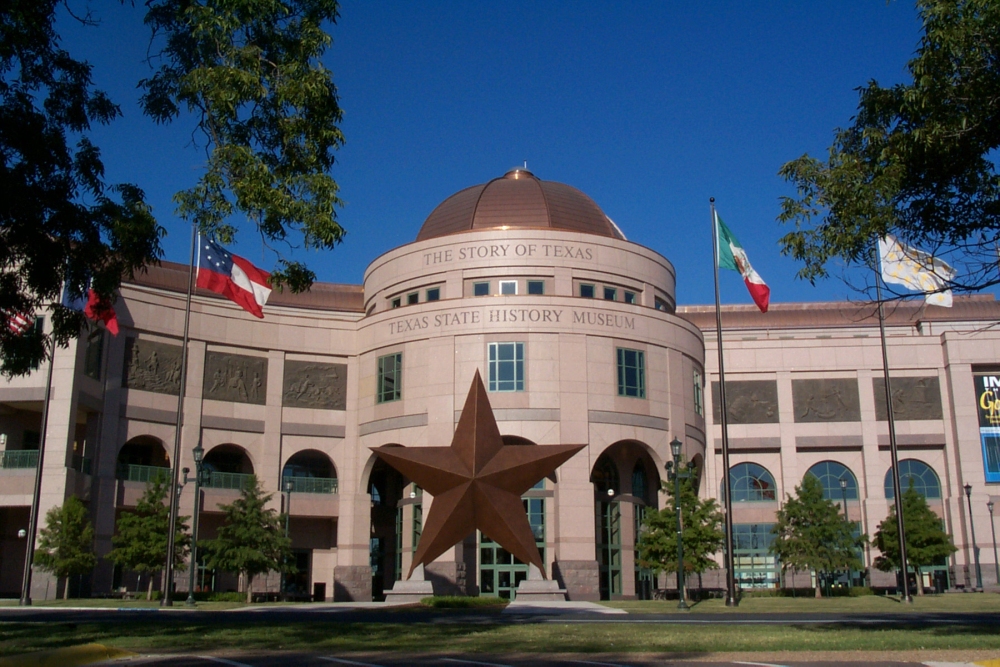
(605, 476)
(639, 486)
(752, 483)
(829, 474)
(925, 480)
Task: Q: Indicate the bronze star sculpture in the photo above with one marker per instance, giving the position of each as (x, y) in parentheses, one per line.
(477, 482)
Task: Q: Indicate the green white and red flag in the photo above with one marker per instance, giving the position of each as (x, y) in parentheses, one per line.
(732, 256)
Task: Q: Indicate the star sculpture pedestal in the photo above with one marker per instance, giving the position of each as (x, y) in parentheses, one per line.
(477, 483)
(537, 588)
(410, 591)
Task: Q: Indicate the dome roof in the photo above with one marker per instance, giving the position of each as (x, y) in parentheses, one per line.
(518, 199)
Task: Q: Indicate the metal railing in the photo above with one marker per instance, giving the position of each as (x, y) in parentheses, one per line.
(136, 473)
(227, 480)
(311, 484)
(19, 458)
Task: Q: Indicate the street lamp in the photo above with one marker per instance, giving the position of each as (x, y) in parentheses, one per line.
(198, 453)
(676, 474)
(993, 529)
(975, 549)
(289, 485)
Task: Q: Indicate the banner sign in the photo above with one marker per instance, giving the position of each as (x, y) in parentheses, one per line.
(988, 408)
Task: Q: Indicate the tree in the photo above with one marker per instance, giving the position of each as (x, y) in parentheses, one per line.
(140, 540)
(66, 543)
(918, 160)
(702, 533)
(266, 114)
(926, 541)
(811, 534)
(251, 540)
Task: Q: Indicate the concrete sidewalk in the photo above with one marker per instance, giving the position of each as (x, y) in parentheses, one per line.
(559, 608)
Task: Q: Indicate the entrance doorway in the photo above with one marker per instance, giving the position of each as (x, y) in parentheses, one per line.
(499, 571)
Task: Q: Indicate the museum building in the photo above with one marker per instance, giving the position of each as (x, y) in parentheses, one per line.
(577, 335)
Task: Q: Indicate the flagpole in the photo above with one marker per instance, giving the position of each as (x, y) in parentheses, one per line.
(897, 490)
(731, 600)
(29, 555)
(167, 600)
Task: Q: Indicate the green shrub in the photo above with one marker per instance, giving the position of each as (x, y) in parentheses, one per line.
(858, 591)
(462, 602)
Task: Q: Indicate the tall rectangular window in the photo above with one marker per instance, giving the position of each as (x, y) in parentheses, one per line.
(631, 373)
(508, 287)
(506, 367)
(94, 355)
(699, 399)
(536, 287)
(390, 378)
(481, 289)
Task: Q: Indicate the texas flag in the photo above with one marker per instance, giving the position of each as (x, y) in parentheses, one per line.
(233, 277)
(93, 306)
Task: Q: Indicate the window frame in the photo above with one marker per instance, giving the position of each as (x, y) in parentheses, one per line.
(485, 285)
(593, 290)
(397, 302)
(495, 363)
(698, 382)
(413, 298)
(504, 283)
(630, 297)
(539, 283)
(613, 291)
(433, 294)
(383, 395)
(622, 368)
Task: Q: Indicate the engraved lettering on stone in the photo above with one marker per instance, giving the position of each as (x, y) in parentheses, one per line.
(748, 402)
(309, 384)
(235, 378)
(826, 400)
(151, 366)
(913, 398)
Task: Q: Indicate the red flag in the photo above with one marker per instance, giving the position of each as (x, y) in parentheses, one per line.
(233, 277)
(101, 310)
(19, 323)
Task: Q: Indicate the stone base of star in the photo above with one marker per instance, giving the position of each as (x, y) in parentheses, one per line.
(537, 589)
(409, 592)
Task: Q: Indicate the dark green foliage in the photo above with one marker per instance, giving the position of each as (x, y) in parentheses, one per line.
(926, 541)
(812, 534)
(702, 533)
(140, 540)
(250, 73)
(59, 220)
(463, 602)
(66, 543)
(918, 159)
(252, 539)
(266, 109)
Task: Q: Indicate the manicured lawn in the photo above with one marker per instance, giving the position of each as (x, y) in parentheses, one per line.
(143, 636)
(100, 603)
(867, 604)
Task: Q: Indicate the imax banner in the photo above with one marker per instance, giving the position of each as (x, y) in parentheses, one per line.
(988, 407)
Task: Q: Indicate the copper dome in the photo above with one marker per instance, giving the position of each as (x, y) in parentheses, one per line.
(518, 199)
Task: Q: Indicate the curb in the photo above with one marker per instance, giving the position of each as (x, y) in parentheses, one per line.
(70, 656)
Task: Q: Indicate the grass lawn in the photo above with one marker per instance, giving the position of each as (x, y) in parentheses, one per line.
(866, 604)
(143, 635)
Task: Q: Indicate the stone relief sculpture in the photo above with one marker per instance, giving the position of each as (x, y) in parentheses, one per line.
(826, 400)
(913, 398)
(748, 402)
(235, 378)
(152, 366)
(309, 384)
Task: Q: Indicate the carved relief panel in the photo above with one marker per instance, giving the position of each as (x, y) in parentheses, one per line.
(748, 402)
(152, 366)
(309, 384)
(826, 400)
(235, 378)
(913, 398)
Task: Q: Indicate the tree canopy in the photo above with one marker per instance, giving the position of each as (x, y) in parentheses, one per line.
(66, 543)
(926, 541)
(812, 534)
(251, 540)
(140, 540)
(702, 534)
(265, 113)
(918, 160)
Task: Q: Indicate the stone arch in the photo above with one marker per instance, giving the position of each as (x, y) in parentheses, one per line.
(309, 463)
(829, 474)
(385, 487)
(925, 479)
(229, 458)
(140, 454)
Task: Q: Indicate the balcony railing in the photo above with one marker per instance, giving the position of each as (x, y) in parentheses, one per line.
(20, 458)
(137, 473)
(227, 480)
(311, 484)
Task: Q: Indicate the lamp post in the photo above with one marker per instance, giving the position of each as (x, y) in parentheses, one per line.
(675, 474)
(847, 519)
(198, 453)
(993, 529)
(975, 549)
(289, 485)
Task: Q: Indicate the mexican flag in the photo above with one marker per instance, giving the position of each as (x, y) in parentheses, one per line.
(732, 256)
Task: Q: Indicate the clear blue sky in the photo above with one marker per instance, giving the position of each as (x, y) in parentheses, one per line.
(648, 107)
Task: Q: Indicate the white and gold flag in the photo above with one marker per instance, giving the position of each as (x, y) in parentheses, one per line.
(916, 270)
